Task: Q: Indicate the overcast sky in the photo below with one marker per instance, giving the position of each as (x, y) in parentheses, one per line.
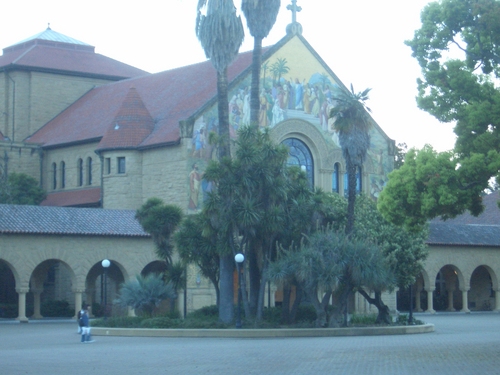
(362, 41)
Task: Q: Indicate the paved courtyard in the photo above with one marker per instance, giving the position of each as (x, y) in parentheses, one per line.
(461, 344)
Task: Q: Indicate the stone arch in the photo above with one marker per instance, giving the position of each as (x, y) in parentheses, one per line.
(102, 286)
(8, 294)
(50, 278)
(307, 133)
(483, 284)
(451, 289)
(156, 266)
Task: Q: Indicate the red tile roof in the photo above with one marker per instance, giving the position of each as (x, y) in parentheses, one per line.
(83, 197)
(64, 57)
(131, 125)
(169, 97)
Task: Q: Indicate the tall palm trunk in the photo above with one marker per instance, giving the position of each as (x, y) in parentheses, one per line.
(254, 90)
(351, 195)
(223, 111)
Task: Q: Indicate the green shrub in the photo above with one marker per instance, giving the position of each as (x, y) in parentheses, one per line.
(56, 308)
(118, 322)
(159, 322)
(363, 319)
(207, 311)
(305, 313)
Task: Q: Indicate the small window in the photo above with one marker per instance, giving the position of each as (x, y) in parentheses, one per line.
(54, 176)
(107, 165)
(121, 165)
(80, 172)
(63, 175)
(89, 171)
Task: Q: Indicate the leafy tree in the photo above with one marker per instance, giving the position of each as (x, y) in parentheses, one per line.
(160, 220)
(399, 157)
(220, 32)
(457, 48)
(329, 260)
(404, 251)
(196, 248)
(352, 121)
(261, 16)
(145, 293)
(431, 184)
(21, 189)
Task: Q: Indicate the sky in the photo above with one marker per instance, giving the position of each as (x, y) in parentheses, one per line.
(362, 41)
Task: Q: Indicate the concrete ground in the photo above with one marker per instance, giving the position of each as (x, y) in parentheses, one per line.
(461, 344)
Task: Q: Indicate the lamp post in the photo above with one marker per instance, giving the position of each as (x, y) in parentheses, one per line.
(239, 258)
(105, 264)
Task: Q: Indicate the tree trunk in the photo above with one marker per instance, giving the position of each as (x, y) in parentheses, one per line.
(223, 111)
(226, 303)
(299, 294)
(285, 306)
(384, 316)
(351, 196)
(254, 93)
(254, 276)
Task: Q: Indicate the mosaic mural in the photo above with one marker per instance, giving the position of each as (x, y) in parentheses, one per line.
(293, 85)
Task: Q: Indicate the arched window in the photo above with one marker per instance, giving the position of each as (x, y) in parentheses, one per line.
(300, 156)
(80, 172)
(358, 182)
(63, 175)
(54, 176)
(336, 178)
(89, 171)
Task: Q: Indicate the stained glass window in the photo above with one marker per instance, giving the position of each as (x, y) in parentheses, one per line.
(300, 156)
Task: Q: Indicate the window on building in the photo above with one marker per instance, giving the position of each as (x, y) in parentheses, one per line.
(89, 171)
(121, 165)
(54, 176)
(63, 175)
(107, 165)
(335, 178)
(300, 155)
(358, 182)
(80, 172)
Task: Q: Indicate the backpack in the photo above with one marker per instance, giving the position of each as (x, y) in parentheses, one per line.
(80, 319)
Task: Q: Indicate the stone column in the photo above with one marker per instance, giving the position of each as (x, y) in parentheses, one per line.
(36, 303)
(418, 288)
(22, 304)
(430, 306)
(465, 300)
(497, 300)
(78, 300)
(450, 299)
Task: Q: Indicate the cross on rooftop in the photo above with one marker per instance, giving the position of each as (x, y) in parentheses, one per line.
(294, 8)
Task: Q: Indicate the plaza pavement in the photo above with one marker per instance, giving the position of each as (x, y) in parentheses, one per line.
(461, 344)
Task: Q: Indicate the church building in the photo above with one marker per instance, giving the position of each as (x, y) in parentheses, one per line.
(102, 137)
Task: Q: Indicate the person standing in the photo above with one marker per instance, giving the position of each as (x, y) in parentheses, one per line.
(86, 326)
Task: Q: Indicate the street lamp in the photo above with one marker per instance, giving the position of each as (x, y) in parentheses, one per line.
(239, 258)
(105, 264)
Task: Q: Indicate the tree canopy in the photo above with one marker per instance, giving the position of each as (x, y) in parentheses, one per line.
(458, 50)
(20, 188)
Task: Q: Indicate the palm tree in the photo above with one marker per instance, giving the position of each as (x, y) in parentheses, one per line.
(221, 33)
(352, 121)
(261, 16)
